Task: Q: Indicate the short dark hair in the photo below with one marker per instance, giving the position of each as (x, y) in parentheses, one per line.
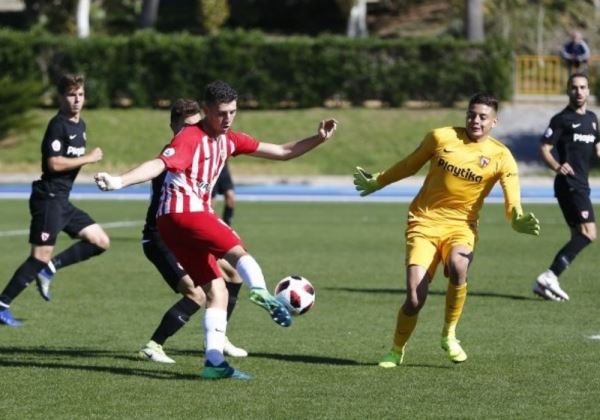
(68, 82)
(219, 92)
(183, 108)
(574, 76)
(484, 99)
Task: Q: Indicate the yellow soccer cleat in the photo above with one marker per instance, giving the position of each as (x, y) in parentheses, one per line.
(455, 352)
(392, 359)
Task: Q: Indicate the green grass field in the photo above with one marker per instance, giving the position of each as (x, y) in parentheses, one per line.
(75, 357)
(128, 137)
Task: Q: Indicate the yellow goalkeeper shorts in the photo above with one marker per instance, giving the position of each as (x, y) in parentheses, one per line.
(429, 243)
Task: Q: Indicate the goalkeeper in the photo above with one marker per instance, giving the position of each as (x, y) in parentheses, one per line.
(465, 163)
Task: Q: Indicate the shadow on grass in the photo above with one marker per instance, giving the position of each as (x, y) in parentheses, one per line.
(51, 354)
(388, 290)
(298, 358)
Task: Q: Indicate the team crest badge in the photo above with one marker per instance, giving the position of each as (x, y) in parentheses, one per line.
(44, 236)
(484, 161)
(594, 125)
(585, 214)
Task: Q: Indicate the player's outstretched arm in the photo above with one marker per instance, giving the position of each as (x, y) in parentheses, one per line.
(145, 172)
(297, 148)
(364, 182)
(525, 223)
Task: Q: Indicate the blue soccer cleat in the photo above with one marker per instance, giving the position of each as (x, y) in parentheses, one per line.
(279, 313)
(7, 318)
(222, 371)
(42, 281)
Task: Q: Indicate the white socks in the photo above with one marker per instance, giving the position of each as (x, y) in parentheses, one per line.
(215, 325)
(250, 272)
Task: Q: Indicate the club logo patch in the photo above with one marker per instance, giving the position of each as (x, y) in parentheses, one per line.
(56, 145)
(594, 126)
(44, 236)
(169, 151)
(484, 161)
(585, 214)
(548, 132)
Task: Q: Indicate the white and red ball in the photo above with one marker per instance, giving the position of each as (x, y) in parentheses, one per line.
(296, 293)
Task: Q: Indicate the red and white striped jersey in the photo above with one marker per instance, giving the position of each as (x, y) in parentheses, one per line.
(194, 161)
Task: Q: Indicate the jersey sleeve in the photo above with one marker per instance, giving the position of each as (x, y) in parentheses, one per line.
(553, 132)
(178, 155)
(53, 143)
(509, 181)
(411, 163)
(244, 144)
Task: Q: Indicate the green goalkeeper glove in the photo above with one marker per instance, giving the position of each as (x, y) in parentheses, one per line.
(365, 182)
(527, 223)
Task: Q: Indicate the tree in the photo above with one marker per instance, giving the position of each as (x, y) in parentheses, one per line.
(213, 14)
(83, 18)
(149, 13)
(474, 20)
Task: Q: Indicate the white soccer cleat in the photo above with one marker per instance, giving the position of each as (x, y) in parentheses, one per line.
(230, 350)
(546, 286)
(155, 353)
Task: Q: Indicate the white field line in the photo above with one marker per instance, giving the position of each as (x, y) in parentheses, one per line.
(111, 225)
(594, 337)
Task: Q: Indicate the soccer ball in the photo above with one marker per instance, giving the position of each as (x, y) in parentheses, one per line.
(296, 293)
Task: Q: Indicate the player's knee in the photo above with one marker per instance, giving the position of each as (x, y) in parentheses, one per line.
(588, 231)
(457, 269)
(413, 304)
(102, 240)
(197, 295)
(590, 234)
(188, 289)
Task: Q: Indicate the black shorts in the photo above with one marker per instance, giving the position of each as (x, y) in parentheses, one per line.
(224, 183)
(575, 204)
(51, 213)
(165, 262)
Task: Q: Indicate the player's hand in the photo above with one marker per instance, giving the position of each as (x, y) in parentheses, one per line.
(107, 182)
(95, 155)
(565, 169)
(365, 182)
(326, 129)
(525, 223)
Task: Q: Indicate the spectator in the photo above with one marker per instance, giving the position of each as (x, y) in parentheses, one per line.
(576, 53)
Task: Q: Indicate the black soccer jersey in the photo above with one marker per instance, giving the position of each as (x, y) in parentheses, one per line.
(574, 137)
(150, 227)
(62, 138)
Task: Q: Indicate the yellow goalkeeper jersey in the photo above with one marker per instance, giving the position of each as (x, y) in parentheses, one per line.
(461, 174)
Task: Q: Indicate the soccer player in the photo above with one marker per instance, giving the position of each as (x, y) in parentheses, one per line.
(186, 220)
(464, 165)
(224, 186)
(63, 155)
(574, 132)
(184, 111)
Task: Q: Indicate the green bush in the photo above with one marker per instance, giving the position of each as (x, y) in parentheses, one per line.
(294, 71)
(17, 98)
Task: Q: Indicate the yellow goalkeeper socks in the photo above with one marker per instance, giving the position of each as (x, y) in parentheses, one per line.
(404, 327)
(455, 302)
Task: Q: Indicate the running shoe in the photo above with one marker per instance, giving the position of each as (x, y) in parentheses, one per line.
(154, 352)
(276, 309)
(392, 359)
(222, 371)
(455, 352)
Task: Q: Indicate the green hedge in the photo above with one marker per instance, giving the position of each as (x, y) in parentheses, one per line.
(299, 71)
